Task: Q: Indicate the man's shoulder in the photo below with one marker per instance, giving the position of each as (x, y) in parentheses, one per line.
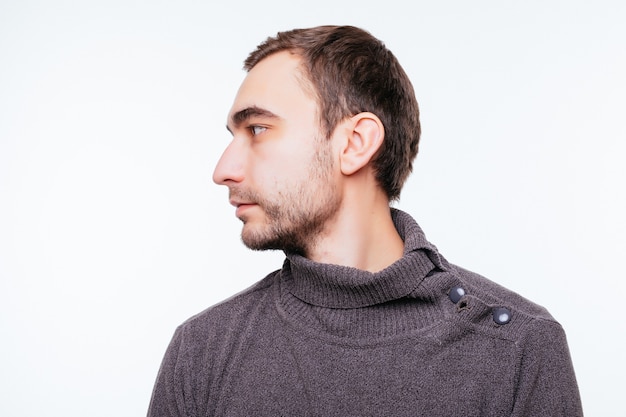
(493, 293)
(233, 309)
(495, 310)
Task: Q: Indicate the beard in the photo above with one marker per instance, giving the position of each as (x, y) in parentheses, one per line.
(295, 215)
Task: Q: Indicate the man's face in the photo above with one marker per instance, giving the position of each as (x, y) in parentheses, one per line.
(278, 167)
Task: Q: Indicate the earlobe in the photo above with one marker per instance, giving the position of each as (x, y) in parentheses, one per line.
(365, 136)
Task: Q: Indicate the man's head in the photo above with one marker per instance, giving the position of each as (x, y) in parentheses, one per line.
(318, 108)
(350, 71)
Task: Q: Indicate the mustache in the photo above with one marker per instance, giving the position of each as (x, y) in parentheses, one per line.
(244, 195)
(271, 209)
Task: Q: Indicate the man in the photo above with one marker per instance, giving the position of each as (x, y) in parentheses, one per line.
(366, 317)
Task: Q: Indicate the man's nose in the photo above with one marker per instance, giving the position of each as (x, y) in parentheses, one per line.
(230, 167)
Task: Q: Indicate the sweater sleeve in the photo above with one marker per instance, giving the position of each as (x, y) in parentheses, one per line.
(168, 399)
(546, 384)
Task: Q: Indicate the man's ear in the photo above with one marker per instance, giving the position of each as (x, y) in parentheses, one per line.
(365, 134)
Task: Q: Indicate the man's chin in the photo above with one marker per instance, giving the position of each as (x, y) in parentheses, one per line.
(258, 245)
(252, 238)
(256, 240)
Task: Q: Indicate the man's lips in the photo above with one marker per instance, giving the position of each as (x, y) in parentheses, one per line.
(237, 203)
(241, 206)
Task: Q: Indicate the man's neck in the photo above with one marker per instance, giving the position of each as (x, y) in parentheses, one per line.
(362, 235)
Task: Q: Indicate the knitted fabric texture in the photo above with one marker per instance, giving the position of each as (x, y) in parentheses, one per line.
(316, 339)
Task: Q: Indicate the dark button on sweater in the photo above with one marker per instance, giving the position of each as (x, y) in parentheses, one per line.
(501, 315)
(455, 294)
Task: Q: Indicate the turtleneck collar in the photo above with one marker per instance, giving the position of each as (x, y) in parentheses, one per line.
(336, 286)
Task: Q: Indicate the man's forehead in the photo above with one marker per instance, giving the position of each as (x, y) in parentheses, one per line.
(278, 71)
(271, 87)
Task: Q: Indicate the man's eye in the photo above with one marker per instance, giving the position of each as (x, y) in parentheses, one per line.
(255, 130)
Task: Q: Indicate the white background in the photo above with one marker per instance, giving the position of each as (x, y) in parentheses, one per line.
(112, 118)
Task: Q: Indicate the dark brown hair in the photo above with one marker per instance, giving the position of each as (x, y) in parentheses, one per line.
(351, 71)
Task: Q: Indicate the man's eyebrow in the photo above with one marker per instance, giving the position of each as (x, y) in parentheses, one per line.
(238, 118)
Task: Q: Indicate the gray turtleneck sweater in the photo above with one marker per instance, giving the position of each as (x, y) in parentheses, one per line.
(419, 338)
